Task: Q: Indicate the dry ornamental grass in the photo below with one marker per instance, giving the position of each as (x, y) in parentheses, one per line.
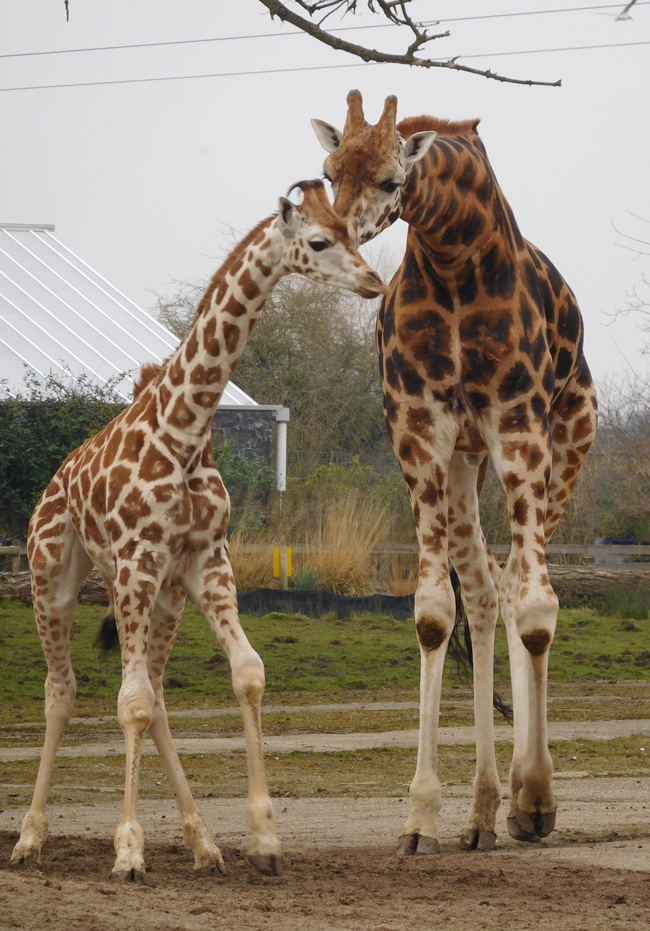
(339, 546)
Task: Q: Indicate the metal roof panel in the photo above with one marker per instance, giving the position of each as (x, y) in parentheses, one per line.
(58, 315)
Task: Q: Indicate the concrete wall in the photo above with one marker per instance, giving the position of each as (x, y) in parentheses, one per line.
(248, 431)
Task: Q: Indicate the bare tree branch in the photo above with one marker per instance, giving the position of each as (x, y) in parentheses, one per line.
(644, 242)
(639, 298)
(396, 12)
(637, 252)
(637, 217)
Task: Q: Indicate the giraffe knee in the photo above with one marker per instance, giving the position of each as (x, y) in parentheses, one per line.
(431, 632)
(536, 622)
(435, 616)
(537, 641)
(135, 706)
(136, 715)
(248, 679)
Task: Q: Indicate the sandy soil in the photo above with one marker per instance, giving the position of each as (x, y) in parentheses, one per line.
(341, 871)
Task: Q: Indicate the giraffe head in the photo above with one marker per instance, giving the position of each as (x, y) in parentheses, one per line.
(368, 166)
(317, 244)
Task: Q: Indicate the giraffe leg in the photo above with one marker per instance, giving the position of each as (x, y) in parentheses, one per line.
(504, 579)
(529, 603)
(59, 565)
(435, 611)
(165, 620)
(212, 587)
(135, 591)
(572, 423)
(469, 557)
(509, 592)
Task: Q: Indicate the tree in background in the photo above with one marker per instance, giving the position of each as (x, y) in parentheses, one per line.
(639, 300)
(621, 461)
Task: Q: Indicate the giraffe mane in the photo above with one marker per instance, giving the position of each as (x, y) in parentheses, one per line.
(233, 258)
(419, 124)
(148, 373)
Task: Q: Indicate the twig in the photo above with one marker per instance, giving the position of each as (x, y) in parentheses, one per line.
(395, 11)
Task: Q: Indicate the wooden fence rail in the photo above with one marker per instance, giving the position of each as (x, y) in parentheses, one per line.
(610, 555)
(16, 550)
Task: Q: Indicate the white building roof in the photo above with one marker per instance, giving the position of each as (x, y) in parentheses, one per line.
(59, 316)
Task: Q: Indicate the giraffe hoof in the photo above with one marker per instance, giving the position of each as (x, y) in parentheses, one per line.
(516, 831)
(25, 855)
(469, 839)
(472, 839)
(215, 869)
(268, 865)
(545, 823)
(538, 823)
(406, 845)
(127, 876)
(487, 840)
(426, 846)
(417, 845)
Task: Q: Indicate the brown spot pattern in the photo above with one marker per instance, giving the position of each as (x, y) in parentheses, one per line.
(537, 641)
(431, 633)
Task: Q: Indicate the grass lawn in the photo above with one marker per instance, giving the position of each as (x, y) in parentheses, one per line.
(593, 663)
(358, 773)
(327, 659)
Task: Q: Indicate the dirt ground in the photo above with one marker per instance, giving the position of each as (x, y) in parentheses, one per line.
(341, 872)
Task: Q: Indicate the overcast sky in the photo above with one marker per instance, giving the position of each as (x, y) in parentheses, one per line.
(143, 180)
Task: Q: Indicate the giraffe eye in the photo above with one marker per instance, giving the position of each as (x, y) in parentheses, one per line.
(389, 186)
(327, 177)
(319, 244)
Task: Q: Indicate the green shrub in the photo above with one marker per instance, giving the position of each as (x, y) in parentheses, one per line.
(37, 431)
(627, 602)
(46, 422)
(248, 482)
(305, 580)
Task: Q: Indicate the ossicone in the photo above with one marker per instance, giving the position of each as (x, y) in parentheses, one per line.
(305, 186)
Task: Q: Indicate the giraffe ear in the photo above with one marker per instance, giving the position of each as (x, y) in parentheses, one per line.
(417, 146)
(328, 136)
(287, 219)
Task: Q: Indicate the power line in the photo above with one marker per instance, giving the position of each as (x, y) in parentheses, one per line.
(181, 77)
(567, 9)
(299, 32)
(536, 51)
(236, 74)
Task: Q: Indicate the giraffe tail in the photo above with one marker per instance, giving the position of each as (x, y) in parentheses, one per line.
(107, 637)
(460, 646)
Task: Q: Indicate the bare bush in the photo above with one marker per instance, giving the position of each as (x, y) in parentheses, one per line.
(252, 569)
(340, 539)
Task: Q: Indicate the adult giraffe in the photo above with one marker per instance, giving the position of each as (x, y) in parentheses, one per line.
(480, 352)
(144, 502)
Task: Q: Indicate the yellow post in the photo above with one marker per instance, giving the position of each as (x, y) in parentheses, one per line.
(282, 568)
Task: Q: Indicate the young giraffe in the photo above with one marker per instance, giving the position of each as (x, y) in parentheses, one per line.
(480, 351)
(143, 501)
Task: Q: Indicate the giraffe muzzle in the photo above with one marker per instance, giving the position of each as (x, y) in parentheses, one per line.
(372, 286)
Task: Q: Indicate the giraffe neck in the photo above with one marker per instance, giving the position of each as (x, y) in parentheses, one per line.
(195, 376)
(454, 205)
